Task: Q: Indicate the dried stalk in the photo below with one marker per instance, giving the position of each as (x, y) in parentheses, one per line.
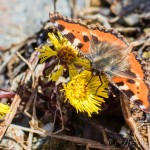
(130, 122)
(17, 99)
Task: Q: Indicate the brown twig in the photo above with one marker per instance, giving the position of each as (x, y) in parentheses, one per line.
(78, 140)
(128, 29)
(90, 143)
(29, 65)
(17, 99)
(100, 18)
(148, 131)
(10, 55)
(130, 122)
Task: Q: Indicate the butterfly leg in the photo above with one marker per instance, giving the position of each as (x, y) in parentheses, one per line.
(100, 84)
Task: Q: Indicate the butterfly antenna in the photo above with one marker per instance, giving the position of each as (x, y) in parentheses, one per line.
(100, 84)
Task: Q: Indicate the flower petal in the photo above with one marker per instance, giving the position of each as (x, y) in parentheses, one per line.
(57, 74)
(82, 62)
(54, 40)
(46, 52)
(85, 92)
(4, 109)
(72, 70)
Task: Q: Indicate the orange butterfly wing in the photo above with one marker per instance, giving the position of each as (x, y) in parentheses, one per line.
(77, 33)
(135, 89)
(80, 36)
(109, 35)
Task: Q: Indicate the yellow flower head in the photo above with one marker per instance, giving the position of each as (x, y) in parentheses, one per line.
(65, 53)
(4, 109)
(86, 92)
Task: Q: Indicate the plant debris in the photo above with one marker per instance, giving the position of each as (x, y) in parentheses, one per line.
(38, 77)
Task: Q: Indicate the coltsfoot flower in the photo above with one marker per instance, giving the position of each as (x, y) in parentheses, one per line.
(4, 109)
(65, 53)
(86, 92)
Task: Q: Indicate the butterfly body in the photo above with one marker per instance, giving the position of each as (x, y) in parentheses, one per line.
(108, 52)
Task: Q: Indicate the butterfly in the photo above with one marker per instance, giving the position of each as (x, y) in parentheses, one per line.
(108, 52)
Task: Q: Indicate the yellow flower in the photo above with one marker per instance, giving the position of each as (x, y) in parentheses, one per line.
(4, 109)
(65, 53)
(86, 92)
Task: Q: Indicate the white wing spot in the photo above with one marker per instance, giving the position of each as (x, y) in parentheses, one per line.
(133, 98)
(76, 42)
(65, 32)
(124, 87)
(56, 24)
(142, 107)
(84, 33)
(137, 83)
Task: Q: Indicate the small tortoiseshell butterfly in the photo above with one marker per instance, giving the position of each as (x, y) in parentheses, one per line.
(108, 52)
